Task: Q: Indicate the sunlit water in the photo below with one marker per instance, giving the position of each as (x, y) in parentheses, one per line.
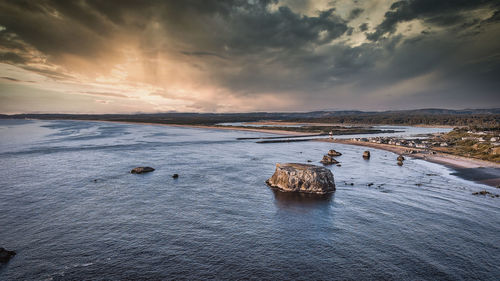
(72, 211)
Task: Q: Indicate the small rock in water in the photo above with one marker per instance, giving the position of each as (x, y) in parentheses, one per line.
(6, 255)
(175, 176)
(400, 158)
(338, 165)
(400, 163)
(366, 154)
(484, 192)
(370, 184)
(141, 170)
(304, 178)
(334, 153)
(309, 161)
(328, 160)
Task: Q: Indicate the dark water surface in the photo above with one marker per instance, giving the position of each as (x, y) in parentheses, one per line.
(219, 220)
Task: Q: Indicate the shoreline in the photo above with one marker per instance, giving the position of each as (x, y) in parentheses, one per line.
(477, 170)
(466, 168)
(346, 124)
(471, 169)
(210, 127)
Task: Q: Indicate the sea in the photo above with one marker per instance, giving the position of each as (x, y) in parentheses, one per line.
(72, 210)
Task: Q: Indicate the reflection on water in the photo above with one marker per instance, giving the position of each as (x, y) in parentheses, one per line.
(291, 199)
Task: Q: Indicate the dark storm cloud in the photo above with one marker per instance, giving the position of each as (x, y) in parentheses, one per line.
(13, 58)
(254, 47)
(355, 13)
(51, 29)
(363, 26)
(443, 12)
(203, 54)
(82, 27)
(494, 18)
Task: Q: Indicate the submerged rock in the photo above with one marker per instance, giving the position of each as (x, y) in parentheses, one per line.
(6, 255)
(141, 170)
(294, 177)
(333, 153)
(366, 154)
(484, 192)
(328, 160)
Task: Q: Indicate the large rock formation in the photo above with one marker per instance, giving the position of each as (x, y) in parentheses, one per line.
(141, 170)
(305, 178)
(328, 160)
(333, 153)
(6, 255)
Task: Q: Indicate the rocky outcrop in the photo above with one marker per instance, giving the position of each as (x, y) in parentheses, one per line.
(484, 192)
(366, 154)
(5, 255)
(141, 170)
(333, 153)
(400, 160)
(293, 177)
(328, 160)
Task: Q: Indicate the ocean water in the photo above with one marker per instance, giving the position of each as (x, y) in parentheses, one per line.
(72, 211)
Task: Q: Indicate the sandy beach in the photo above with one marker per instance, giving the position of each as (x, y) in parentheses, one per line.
(259, 130)
(485, 172)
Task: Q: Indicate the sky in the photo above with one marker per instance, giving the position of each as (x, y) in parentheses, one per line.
(103, 56)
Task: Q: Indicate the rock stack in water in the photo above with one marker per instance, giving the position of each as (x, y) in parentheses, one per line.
(328, 160)
(333, 153)
(294, 177)
(400, 160)
(366, 154)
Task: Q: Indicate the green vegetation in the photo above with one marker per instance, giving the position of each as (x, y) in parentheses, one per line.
(482, 120)
(477, 142)
(432, 117)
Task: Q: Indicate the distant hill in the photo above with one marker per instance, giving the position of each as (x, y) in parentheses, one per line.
(428, 116)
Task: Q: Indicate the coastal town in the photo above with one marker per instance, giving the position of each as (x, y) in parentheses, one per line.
(482, 144)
